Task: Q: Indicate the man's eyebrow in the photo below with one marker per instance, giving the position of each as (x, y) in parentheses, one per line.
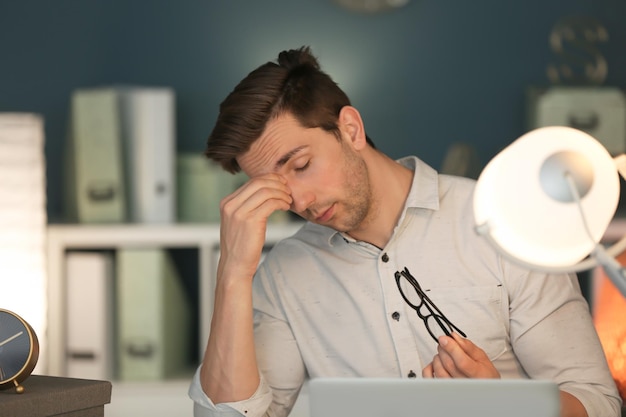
(286, 157)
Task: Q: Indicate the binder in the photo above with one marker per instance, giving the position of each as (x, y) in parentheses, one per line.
(90, 337)
(148, 132)
(154, 330)
(94, 173)
(202, 184)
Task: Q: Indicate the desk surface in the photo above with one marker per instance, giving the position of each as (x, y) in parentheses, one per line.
(46, 396)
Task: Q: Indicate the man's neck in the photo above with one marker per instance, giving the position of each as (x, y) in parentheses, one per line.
(391, 183)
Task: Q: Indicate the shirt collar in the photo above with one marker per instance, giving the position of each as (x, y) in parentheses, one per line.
(424, 192)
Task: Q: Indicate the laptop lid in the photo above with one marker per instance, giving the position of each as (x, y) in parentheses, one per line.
(397, 397)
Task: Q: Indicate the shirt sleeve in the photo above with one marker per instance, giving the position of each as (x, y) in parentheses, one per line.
(255, 406)
(278, 354)
(554, 337)
(280, 362)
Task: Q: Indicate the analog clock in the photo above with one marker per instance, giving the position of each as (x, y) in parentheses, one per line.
(19, 350)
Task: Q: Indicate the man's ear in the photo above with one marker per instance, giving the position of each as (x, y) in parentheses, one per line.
(351, 125)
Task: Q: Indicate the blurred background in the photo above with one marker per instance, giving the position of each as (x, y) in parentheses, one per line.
(424, 75)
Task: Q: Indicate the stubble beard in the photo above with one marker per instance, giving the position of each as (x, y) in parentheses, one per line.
(357, 204)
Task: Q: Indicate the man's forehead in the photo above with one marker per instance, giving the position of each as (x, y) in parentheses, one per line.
(283, 138)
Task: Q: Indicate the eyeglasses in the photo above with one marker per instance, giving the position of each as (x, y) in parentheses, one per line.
(434, 314)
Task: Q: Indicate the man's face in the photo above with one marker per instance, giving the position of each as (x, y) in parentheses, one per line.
(328, 179)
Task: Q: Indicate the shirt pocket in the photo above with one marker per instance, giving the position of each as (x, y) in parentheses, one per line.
(478, 312)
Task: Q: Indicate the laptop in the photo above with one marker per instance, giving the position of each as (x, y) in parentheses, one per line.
(398, 397)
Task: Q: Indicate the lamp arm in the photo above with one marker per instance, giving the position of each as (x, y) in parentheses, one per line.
(615, 271)
(584, 265)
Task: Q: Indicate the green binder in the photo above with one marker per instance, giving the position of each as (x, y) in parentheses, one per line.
(153, 316)
(94, 167)
(201, 186)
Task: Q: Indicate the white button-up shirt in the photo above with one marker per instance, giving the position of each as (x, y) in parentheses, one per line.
(327, 305)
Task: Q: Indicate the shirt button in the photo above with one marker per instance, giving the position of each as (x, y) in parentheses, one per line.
(385, 257)
(411, 374)
(396, 316)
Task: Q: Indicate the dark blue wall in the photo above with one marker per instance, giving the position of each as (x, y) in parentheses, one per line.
(429, 74)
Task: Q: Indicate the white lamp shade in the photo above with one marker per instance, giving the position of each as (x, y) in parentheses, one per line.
(513, 207)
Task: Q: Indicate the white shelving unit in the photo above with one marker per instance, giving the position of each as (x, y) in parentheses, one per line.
(130, 399)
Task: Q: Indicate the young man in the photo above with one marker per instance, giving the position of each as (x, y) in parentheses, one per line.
(387, 265)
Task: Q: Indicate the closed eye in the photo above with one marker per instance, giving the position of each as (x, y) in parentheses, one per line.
(303, 167)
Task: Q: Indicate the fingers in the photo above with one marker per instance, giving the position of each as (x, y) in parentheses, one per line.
(448, 353)
(259, 197)
(427, 372)
(436, 369)
(469, 347)
(454, 358)
(440, 370)
(458, 357)
(244, 215)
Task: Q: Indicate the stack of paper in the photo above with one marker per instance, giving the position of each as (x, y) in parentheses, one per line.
(23, 217)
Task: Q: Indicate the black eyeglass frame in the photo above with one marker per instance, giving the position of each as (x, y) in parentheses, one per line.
(439, 317)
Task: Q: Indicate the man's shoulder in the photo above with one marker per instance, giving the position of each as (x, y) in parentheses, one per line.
(463, 185)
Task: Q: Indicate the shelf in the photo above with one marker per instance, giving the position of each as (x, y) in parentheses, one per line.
(64, 237)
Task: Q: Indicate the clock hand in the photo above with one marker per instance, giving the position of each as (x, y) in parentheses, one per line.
(4, 342)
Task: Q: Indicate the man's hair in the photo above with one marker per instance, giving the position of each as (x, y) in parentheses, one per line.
(294, 85)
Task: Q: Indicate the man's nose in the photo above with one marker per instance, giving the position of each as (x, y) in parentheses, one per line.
(302, 199)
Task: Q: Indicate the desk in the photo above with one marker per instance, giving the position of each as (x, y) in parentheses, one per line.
(47, 396)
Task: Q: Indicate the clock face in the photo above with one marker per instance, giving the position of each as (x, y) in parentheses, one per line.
(18, 349)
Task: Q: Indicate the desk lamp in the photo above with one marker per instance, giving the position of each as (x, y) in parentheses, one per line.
(546, 200)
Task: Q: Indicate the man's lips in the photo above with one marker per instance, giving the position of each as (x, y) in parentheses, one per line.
(326, 215)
